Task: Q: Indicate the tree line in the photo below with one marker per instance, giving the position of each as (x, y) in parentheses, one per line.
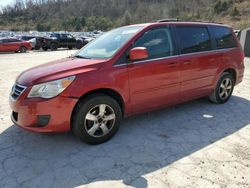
(79, 15)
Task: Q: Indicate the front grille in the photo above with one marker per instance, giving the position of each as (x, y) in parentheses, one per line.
(17, 90)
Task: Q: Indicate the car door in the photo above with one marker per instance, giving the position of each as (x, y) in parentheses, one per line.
(1, 45)
(14, 44)
(63, 40)
(198, 62)
(155, 82)
(7, 45)
(71, 40)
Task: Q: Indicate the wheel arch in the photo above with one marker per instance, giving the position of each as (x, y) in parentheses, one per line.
(106, 91)
(233, 72)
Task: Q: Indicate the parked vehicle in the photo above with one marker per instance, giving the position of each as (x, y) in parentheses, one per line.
(33, 43)
(15, 45)
(129, 70)
(26, 38)
(62, 40)
(86, 40)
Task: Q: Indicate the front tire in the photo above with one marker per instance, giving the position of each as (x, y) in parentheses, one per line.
(78, 46)
(53, 46)
(45, 48)
(96, 119)
(224, 89)
(23, 49)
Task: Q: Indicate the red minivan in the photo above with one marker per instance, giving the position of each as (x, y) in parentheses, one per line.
(129, 70)
(14, 45)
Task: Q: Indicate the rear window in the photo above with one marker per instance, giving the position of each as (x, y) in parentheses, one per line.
(194, 39)
(224, 37)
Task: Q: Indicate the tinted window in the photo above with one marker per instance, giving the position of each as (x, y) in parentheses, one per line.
(193, 39)
(26, 37)
(224, 37)
(5, 40)
(54, 35)
(63, 36)
(157, 41)
(13, 40)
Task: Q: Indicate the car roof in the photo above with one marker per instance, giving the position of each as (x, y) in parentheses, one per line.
(167, 22)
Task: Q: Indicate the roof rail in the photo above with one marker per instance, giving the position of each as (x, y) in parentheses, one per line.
(169, 20)
(179, 20)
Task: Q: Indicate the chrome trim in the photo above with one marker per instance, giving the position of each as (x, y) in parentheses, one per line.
(17, 89)
(180, 55)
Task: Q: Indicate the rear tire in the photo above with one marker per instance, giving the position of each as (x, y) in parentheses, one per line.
(53, 46)
(45, 48)
(224, 89)
(96, 119)
(78, 46)
(22, 49)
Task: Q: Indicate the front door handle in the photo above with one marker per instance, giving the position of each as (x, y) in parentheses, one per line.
(172, 64)
(188, 62)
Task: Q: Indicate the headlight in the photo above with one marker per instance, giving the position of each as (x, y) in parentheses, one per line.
(50, 89)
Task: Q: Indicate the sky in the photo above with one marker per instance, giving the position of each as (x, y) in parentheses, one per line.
(5, 2)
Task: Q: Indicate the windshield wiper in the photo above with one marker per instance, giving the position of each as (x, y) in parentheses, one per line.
(82, 57)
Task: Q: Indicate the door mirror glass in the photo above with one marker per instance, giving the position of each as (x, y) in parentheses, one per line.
(138, 53)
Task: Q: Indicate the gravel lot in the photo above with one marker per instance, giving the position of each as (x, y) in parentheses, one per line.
(196, 144)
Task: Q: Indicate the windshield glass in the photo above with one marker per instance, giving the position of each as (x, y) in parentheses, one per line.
(108, 44)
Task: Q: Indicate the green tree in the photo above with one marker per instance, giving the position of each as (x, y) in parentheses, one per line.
(220, 7)
(235, 12)
(127, 18)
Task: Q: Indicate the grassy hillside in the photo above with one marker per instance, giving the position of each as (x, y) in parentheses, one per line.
(79, 15)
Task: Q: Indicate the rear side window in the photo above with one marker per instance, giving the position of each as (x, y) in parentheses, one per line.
(224, 37)
(193, 39)
(14, 40)
(158, 42)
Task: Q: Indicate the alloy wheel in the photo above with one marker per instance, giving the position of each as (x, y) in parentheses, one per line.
(226, 87)
(99, 120)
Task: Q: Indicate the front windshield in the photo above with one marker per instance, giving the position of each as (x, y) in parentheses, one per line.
(108, 44)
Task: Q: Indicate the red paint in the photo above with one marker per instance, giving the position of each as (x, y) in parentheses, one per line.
(14, 46)
(143, 86)
(138, 53)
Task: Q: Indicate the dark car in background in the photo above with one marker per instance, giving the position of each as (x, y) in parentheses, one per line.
(14, 44)
(62, 40)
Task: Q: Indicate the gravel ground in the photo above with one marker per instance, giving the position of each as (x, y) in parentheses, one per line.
(196, 144)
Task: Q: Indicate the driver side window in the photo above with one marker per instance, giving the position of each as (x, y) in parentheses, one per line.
(158, 42)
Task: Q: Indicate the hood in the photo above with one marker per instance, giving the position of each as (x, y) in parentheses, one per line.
(58, 69)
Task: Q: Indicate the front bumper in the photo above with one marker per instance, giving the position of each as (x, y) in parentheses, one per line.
(27, 113)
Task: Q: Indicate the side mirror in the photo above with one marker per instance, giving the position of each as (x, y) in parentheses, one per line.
(138, 53)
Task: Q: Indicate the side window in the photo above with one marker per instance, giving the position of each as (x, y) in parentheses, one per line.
(224, 37)
(193, 39)
(11, 40)
(15, 40)
(63, 36)
(5, 40)
(69, 36)
(157, 41)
